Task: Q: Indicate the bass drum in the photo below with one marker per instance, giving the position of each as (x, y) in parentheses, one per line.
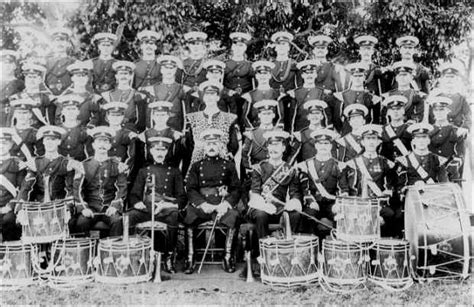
(438, 228)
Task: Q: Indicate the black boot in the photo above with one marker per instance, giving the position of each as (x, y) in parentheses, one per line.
(189, 265)
(169, 264)
(228, 262)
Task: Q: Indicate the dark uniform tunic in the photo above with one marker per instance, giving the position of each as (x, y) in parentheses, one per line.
(45, 111)
(349, 147)
(250, 113)
(11, 170)
(348, 97)
(238, 76)
(124, 147)
(290, 184)
(409, 172)
(28, 143)
(305, 145)
(445, 143)
(147, 74)
(327, 78)
(57, 77)
(389, 149)
(460, 114)
(168, 187)
(421, 78)
(103, 75)
(203, 182)
(103, 186)
(75, 143)
(175, 151)
(193, 73)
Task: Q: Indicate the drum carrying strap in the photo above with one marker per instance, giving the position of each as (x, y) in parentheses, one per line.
(356, 146)
(39, 116)
(419, 169)
(314, 175)
(396, 140)
(4, 182)
(275, 179)
(370, 181)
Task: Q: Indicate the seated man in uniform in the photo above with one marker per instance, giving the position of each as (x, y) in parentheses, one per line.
(104, 187)
(169, 195)
(213, 189)
(272, 180)
(319, 177)
(371, 175)
(12, 173)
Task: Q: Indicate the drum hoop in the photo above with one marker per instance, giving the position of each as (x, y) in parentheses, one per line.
(304, 279)
(44, 239)
(359, 238)
(9, 284)
(465, 229)
(123, 280)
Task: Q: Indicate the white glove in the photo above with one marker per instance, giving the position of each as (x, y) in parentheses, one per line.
(293, 205)
(87, 213)
(223, 208)
(258, 202)
(22, 218)
(314, 205)
(5, 210)
(110, 211)
(207, 208)
(139, 206)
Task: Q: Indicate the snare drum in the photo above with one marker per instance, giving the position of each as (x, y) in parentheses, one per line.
(46, 222)
(72, 262)
(438, 228)
(16, 267)
(344, 263)
(358, 218)
(289, 262)
(389, 265)
(123, 262)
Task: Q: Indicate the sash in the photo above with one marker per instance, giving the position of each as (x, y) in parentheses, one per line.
(398, 143)
(419, 169)
(370, 182)
(4, 182)
(39, 116)
(356, 146)
(314, 175)
(275, 179)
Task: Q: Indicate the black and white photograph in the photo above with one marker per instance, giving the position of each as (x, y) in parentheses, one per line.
(241, 152)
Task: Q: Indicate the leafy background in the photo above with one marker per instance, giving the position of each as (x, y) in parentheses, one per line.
(438, 24)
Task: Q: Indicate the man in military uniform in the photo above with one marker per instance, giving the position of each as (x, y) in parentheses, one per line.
(89, 106)
(328, 78)
(213, 189)
(263, 75)
(103, 73)
(147, 69)
(372, 173)
(445, 136)
(44, 110)
(308, 91)
(9, 83)
(211, 117)
(375, 77)
(356, 94)
(396, 141)
(415, 105)
(170, 90)
(349, 144)
(169, 195)
(272, 180)
(316, 117)
(238, 74)
(160, 114)
(52, 176)
(192, 73)
(135, 114)
(104, 187)
(57, 78)
(319, 177)
(421, 75)
(25, 146)
(12, 173)
(75, 143)
(421, 165)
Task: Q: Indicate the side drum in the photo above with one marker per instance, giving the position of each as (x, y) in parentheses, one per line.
(124, 262)
(438, 228)
(16, 265)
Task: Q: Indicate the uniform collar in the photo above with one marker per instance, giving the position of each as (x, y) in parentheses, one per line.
(370, 155)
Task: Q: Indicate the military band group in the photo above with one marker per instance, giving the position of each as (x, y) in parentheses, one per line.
(226, 139)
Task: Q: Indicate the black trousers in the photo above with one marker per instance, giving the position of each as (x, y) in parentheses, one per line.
(82, 224)
(262, 219)
(10, 230)
(195, 216)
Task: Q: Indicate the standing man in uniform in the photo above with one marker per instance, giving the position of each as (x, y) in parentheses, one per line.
(213, 189)
(169, 195)
(103, 75)
(9, 83)
(192, 74)
(147, 69)
(57, 77)
(328, 78)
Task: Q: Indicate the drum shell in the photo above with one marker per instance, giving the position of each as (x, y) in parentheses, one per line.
(344, 262)
(16, 263)
(438, 229)
(389, 260)
(358, 218)
(47, 222)
(289, 263)
(124, 262)
(73, 257)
